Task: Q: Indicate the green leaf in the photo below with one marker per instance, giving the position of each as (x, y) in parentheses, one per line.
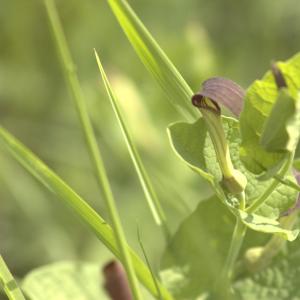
(266, 225)
(297, 164)
(65, 281)
(151, 196)
(280, 281)
(154, 59)
(91, 142)
(81, 208)
(193, 145)
(197, 252)
(8, 283)
(259, 103)
(281, 130)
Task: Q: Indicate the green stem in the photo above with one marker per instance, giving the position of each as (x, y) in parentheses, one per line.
(223, 283)
(86, 214)
(261, 200)
(102, 179)
(8, 283)
(288, 183)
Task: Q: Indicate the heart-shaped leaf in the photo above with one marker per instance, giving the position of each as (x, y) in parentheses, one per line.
(193, 145)
(197, 252)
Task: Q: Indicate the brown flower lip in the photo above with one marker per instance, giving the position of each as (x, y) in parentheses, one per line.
(278, 76)
(220, 91)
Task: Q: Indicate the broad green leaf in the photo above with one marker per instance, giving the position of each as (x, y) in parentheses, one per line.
(65, 281)
(259, 102)
(267, 225)
(8, 283)
(281, 130)
(197, 252)
(153, 57)
(193, 145)
(81, 208)
(280, 281)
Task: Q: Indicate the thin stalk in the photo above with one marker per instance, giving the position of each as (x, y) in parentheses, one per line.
(149, 265)
(235, 246)
(102, 179)
(149, 191)
(223, 283)
(236, 243)
(288, 183)
(273, 185)
(85, 213)
(8, 283)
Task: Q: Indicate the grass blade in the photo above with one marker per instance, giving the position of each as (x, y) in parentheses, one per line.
(151, 196)
(154, 59)
(91, 142)
(81, 208)
(8, 283)
(148, 263)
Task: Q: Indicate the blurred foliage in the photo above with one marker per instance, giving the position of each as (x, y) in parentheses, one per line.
(234, 39)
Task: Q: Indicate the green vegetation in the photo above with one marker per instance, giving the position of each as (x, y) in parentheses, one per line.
(222, 235)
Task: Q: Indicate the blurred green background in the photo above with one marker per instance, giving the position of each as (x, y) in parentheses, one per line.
(235, 39)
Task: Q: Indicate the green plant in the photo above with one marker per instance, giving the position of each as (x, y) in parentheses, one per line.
(8, 283)
(221, 251)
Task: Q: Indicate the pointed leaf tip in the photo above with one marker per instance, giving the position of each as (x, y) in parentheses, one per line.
(222, 91)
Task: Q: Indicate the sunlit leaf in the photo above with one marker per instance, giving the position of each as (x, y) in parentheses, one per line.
(259, 102)
(266, 225)
(153, 57)
(281, 130)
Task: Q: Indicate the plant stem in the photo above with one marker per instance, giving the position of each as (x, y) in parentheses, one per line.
(259, 201)
(102, 179)
(8, 283)
(223, 283)
(86, 214)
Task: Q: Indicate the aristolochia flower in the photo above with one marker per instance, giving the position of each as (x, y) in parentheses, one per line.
(226, 92)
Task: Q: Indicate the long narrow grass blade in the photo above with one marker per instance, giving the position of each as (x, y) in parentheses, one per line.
(8, 283)
(148, 263)
(151, 196)
(154, 59)
(91, 142)
(85, 213)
